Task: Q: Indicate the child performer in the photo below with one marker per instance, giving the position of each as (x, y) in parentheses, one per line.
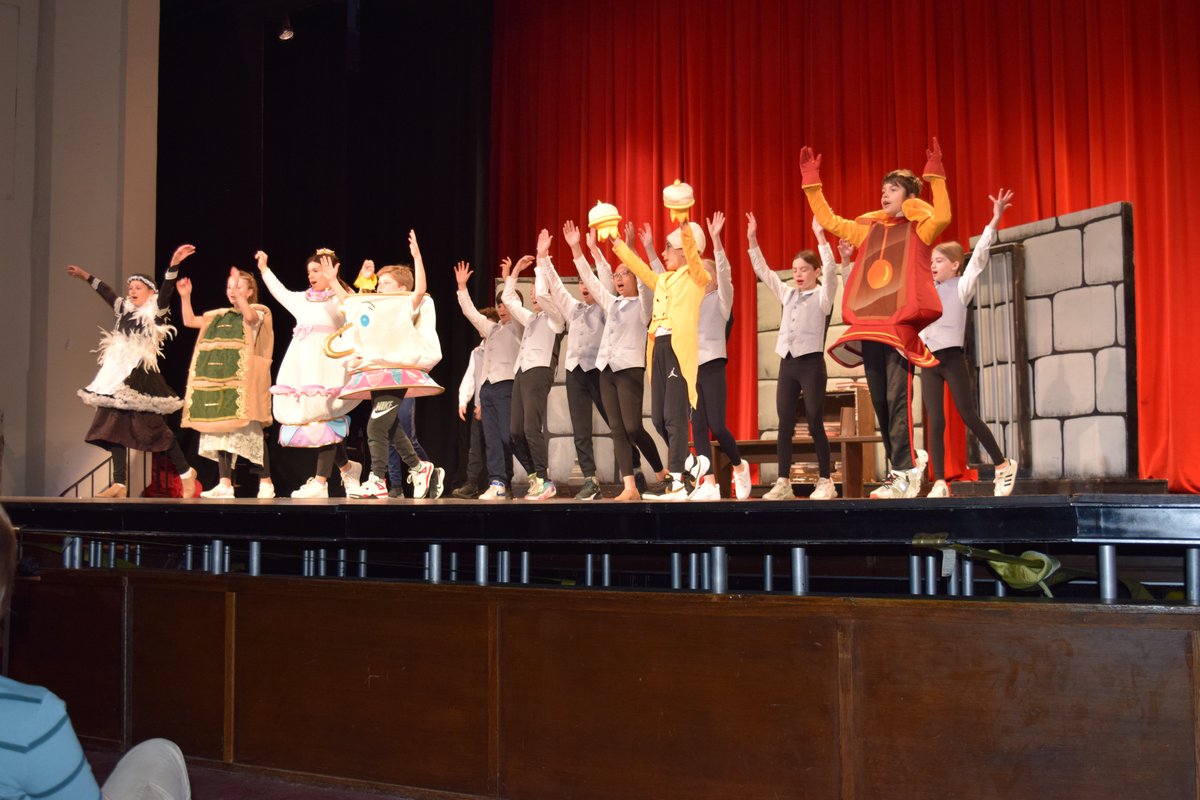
(305, 397)
(534, 376)
(501, 341)
(715, 309)
(801, 351)
(228, 395)
(621, 359)
(945, 338)
(129, 393)
(384, 427)
(367, 281)
(889, 298)
(674, 330)
(468, 404)
(585, 325)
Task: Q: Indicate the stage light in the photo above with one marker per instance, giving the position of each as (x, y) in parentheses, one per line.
(286, 31)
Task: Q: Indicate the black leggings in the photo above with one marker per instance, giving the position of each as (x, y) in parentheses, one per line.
(710, 412)
(329, 455)
(622, 393)
(669, 403)
(120, 460)
(801, 375)
(225, 462)
(952, 371)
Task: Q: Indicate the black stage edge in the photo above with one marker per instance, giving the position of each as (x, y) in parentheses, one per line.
(1079, 518)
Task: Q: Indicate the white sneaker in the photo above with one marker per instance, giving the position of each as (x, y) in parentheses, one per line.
(894, 487)
(782, 490)
(1006, 478)
(824, 490)
(371, 487)
(218, 492)
(939, 489)
(312, 488)
(495, 491)
(671, 490)
(437, 483)
(741, 480)
(266, 491)
(187, 482)
(922, 460)
(914, 482)
(419, 478)
(697, 466)
(706, 491)
(351, 476)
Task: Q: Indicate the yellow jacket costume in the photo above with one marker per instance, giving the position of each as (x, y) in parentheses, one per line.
(677, 298)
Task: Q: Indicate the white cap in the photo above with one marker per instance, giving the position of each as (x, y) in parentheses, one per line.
(675, 239)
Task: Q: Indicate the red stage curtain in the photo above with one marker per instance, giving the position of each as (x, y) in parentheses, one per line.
(1073, 103)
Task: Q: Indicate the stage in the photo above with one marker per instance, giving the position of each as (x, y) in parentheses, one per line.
(667, 545)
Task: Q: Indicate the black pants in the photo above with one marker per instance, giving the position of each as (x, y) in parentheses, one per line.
(384, 428)
(669, 403)
(710, 412)
(531, 395)
(329, 455)
(120, 460)
(583, 394)
(225, 462)
(802, 376)
(952, 371)
(889, 379)
(475, 451)
(622, 393)
(496, 399)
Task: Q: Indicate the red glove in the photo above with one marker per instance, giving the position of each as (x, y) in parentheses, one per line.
(810, 167)
(933, 161)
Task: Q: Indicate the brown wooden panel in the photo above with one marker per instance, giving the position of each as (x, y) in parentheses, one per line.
(986, 708)
(654, 697)
(366, 680)
(178, 663)
(66, 636)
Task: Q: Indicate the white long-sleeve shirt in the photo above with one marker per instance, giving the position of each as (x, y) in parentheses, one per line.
(472, 379)
(623, 343)
(950, 329)
(541, 328)
(585, 321)
(715, 309)
(802, 323)
(501, 341)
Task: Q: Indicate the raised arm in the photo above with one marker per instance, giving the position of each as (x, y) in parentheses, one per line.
(646, 236)
(930, 228)
(982, 252)
(292, 301)
(463, 273)
(810, 180)
(240, 304)
(639, 268)
(520, 314)
(829, 271)
(419, 285)
(761, 268)
(716, 224)
(541, 283)
(167, 288)
(330, 271)
(695, 264)
(106, 292)
(190, 320)
(604, 297)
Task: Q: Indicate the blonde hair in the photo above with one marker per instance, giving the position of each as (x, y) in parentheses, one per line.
(251, 281)
(953, 251)
(402, 274)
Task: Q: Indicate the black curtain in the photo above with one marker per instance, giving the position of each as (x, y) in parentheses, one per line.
(372, 120)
